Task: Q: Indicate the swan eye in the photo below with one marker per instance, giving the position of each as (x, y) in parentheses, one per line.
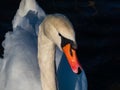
(65, 41)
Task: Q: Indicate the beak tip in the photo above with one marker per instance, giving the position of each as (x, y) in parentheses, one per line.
(79, 71)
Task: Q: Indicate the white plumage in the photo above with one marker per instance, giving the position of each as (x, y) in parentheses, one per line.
(19, 69)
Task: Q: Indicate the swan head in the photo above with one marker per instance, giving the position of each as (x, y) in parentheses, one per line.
(60, 31)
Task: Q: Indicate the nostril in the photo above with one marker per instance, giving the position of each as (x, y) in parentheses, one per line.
(79, 71)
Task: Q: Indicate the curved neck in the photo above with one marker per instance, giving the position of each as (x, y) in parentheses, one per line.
(46, 51)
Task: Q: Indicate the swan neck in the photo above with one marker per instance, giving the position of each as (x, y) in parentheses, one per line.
(46, 51)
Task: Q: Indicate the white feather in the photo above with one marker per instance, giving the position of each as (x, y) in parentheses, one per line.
(19, 68)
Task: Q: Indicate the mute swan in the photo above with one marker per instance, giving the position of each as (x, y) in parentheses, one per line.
(21, 70)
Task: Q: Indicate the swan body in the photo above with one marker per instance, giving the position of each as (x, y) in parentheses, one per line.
(30, 66)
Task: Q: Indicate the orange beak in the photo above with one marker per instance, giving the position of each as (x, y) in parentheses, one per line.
(72, 58)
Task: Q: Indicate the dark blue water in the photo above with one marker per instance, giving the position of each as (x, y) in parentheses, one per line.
(97, 27)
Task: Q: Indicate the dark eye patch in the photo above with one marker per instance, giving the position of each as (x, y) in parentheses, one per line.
(65, 41)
